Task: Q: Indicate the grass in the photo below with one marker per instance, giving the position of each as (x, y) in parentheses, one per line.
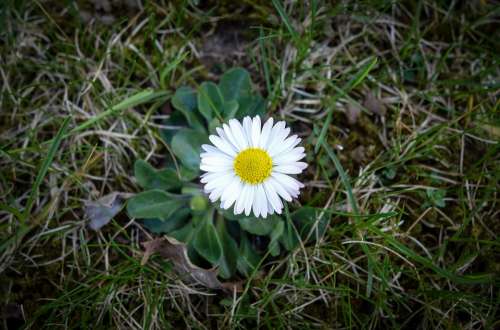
(407, 177)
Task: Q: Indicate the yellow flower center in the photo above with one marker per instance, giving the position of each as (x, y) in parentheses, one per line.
(253, 165)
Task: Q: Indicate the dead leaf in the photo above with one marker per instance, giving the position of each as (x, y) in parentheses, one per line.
(352, 113)
(359, 154)
(176, 252)
(101, 212)
(374, 105)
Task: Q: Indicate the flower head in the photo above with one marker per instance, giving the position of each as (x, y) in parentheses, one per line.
(249, 165)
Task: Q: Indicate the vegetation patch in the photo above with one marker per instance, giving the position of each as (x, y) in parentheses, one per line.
(104, 106)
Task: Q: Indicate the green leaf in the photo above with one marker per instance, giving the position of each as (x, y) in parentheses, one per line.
(251, 106)
(185, 101)
(198, 203)
(165, 226)
(210, 100)
(150, 178)
(213, 124)
(259, 226)
(248, 259)
(192, 189)
(184, 234)
(206, 241)
(176, 120)
(235, 83)
(154, 204)
(187, 174)
(193, 255)
(186, 145)
(229, 257)
(274, 246)
(228, 214)
(230, 109)
(289, 239)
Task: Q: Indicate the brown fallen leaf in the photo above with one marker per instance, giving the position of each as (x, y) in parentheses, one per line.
(176, 252)
(101, 211)
(352, 113)
(359, 154)
(373, 104)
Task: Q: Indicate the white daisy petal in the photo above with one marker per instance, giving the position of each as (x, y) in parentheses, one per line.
(222, 145)
(238, 133)
(248, 167)
(223, 181)
(266, 131)
(217, 153)
(279, 148)
(270, 208)
(215, 168)
(288, 160)
(284, 179)
(213, 176)
(256, 126)
(288, 145)
(272, 197)
(261, 201)
(256, 205)
(249, 200)
(217, 161)
(294, 168)
(247, 128)
(278, 134)
(215, 194)
(209, 148)
(280, 190)
(232, 192)
(289, 157)
(226, 131)
(240, 200)
(289, 183)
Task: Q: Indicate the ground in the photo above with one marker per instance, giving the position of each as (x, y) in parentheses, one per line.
(406, 167)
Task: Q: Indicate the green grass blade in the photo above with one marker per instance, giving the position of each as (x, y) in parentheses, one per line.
(15, 238)
(412, 255)
(343, 177)
(286, 21)
(171, 66)
(45, 167)
(15, 212)
(351, 84)
(372, 267)
(265, 65)
(132, 101)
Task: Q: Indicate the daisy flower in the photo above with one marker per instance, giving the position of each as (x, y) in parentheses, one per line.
(249, 166)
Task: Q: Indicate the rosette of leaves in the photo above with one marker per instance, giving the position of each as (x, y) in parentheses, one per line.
(173, 202)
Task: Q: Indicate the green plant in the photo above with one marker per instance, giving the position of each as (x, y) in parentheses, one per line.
(174, 203)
